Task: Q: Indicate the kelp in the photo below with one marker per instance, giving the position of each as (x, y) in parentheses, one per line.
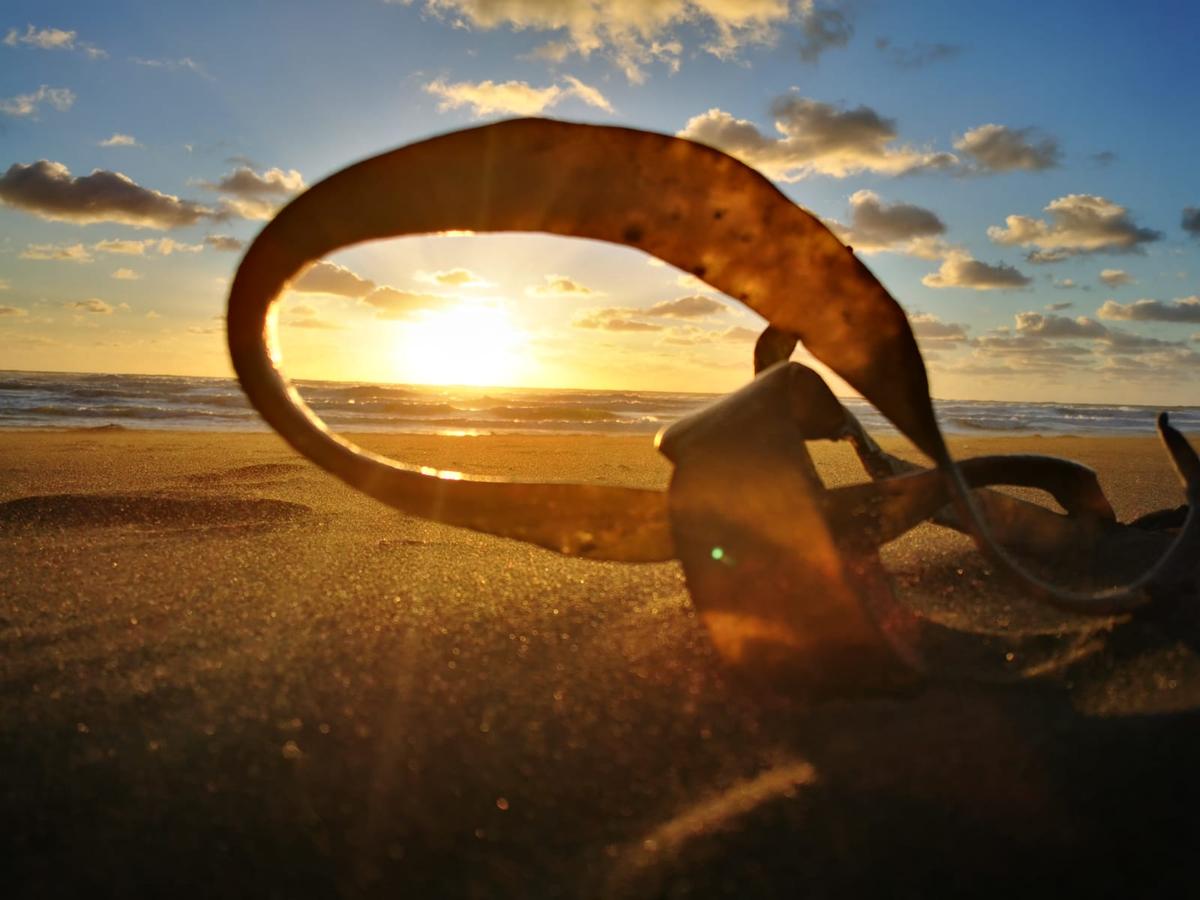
(778, 566)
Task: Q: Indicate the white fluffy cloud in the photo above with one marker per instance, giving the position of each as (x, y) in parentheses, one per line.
(255, 195)
(961, 270)
(998, 148)
(485, 98)
(904, 227)
(329, 278)
(51, 39)
(1076, 224)
(815, 138)
(634, 34)
(25, 105)
(1115, 277)
(326, 277)
(120, 140)
(1053, 326)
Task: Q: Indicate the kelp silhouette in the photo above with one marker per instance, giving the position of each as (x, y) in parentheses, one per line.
(781, 570)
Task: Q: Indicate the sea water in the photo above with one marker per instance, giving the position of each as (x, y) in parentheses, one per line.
(74, 400)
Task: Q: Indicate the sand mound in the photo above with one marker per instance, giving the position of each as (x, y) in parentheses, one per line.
(153, 510)
(257, 472)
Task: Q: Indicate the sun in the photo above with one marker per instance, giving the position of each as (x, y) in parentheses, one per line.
(472, 344)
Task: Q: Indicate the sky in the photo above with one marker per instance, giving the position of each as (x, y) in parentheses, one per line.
(1021, 176)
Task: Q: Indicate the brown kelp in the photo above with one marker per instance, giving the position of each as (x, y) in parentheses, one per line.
(779, 566)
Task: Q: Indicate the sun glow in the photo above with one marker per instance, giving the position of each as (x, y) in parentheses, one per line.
(473, 343)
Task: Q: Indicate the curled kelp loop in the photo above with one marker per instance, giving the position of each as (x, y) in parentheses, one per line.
(689, 205)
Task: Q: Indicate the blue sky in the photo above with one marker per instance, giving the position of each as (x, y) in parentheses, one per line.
(1092, 106)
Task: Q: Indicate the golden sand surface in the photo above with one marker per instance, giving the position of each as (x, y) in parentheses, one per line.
(224, 673)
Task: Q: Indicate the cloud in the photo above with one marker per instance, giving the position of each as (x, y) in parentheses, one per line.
(691, 336)
(326, 277)
(48, 190)
(124, 274)
(876, 225)
(245, 182)
(961, 270)
(329, 278)
(634, 34)
(1046, 343)
(629, 318)
(1185, 309)
(253, 195)
(693, 307)
(24, 105)
(463, 278)
(76, 253)
(1077, 224)
(486, 98)
(304, 316)
(1110, 340)
(814, 138)
(390, 303)
(1115, 277)
(1065, 284)
(1058, 307)
(52, 39)
(738, 334)
(167, 246)
(224, 242)
(1052, 326)
(42, 38)
(823, 28)
(164, 246)
(916, 55)
(1190, 221)
(183, 64)
(561, 286)
(1104, 158)
(94, 305)
(614, 319)
(928, 328)
(998, 148)
(12, 311)
(124, 247)
(1027, 351)
(120, 140)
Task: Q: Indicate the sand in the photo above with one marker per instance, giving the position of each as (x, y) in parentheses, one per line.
(223, 673)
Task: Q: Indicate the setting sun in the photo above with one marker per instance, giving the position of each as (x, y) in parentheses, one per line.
(472, 344)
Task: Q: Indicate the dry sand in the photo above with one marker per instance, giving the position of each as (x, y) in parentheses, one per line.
(226, 674)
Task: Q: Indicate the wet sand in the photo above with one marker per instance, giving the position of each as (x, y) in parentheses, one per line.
(223, 673)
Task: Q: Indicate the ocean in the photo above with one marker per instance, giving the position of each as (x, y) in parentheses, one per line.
(72, 400)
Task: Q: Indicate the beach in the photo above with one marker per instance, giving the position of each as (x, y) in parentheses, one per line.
(225, 673)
